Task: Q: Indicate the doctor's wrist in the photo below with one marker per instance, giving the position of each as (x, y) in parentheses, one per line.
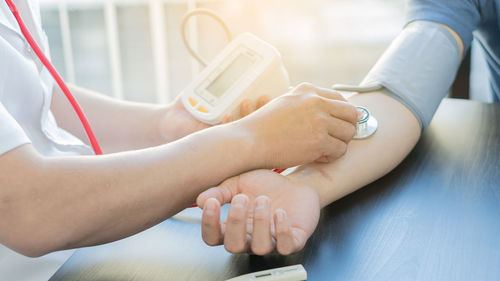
(234, 144)
(164, 132)
(176, 122)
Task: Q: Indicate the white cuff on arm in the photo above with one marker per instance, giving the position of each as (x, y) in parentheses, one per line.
(418, 68)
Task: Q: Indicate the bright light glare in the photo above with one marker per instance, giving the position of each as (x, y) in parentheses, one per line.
(321, 41)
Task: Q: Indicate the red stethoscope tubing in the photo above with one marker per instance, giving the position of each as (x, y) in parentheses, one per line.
(57, 78)
(62, 85)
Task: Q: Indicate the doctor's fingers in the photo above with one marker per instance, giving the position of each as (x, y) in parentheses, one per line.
(329, 94)
(263, 100)
(341, 129)
(211, 228)
(235, 236)
(342, 110)
(247, 106)
(262, 241)
(227, 119)
(323, 92)
(334, 149)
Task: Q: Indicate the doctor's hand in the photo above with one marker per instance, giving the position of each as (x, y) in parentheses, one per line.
(176, 122)
(268, 212)
(308, 124)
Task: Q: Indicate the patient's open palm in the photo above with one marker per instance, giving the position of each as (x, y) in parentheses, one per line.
(268, 211)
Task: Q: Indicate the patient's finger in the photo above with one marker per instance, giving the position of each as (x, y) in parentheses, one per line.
(224, 193)
(235, 238)
(285, 243)
(214, 192)
(211, 231)
(263, 100)
(262, 241)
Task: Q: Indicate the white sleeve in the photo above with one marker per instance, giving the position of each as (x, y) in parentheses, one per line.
(11, 134)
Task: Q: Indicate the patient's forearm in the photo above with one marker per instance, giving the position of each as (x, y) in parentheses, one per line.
(369, 159)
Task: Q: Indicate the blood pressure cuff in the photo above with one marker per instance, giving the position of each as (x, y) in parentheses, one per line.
(418, 68)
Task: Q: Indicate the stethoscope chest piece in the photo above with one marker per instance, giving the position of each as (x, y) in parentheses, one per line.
(366, 126)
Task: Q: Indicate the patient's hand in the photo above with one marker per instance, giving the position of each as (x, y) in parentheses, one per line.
(268, 211)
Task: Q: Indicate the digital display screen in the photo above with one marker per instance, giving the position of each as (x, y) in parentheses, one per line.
(230, 75)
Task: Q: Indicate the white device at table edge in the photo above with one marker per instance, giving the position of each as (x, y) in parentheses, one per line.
(247, 68)
(287, 273)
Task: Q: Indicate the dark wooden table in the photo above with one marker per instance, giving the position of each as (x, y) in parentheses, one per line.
(435, 217)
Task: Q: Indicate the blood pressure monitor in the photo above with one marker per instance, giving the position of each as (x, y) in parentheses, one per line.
(247, 68)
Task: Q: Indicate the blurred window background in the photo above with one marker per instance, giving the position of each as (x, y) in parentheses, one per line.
(133, 49)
